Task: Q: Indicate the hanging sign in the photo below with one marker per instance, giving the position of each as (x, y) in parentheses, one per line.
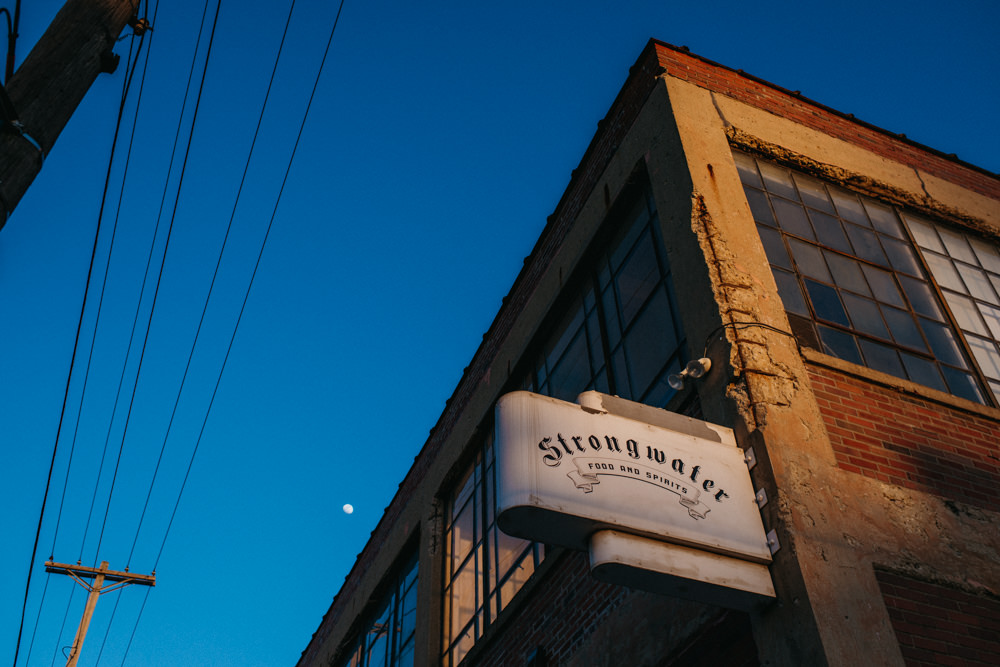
(567, 471)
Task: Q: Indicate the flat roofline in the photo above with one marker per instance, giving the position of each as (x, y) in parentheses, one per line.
(826, 109)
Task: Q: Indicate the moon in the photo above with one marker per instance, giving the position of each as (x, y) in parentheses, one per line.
(348, 508)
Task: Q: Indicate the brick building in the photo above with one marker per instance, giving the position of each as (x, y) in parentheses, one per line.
(845, 283)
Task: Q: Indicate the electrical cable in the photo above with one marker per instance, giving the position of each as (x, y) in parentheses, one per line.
(128, 352)
(111, 620)
(159, 279)
(114, 145)
(253, 275)
(69, 378)
(737, 326)
(107, 266)
(211, 287)
(38, 616)
(63, 626)
(263, 245)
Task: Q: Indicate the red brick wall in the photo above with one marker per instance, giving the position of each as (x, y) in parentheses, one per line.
(909, 441)
(790, 105)
(939, 625)
(579, 621)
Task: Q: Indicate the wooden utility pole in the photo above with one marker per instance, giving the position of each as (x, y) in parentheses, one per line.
(101, 576)
(49, 85)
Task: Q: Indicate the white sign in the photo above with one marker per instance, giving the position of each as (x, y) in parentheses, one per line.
(566, 471)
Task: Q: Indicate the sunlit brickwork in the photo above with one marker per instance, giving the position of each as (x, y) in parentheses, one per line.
(908, 441)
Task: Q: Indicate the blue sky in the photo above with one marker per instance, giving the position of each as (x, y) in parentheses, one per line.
(441, 137)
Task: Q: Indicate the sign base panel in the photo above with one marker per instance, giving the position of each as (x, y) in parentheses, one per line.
(677, 571)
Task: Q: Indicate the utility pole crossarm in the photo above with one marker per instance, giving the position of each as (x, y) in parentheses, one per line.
(100, 575)
(81, 571)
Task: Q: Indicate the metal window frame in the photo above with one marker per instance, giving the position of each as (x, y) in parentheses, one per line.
(973, 368)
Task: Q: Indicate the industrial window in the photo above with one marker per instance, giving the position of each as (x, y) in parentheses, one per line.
(387, 640)
(616, 331)
(620, 333)
(857, 287)
(484, 568)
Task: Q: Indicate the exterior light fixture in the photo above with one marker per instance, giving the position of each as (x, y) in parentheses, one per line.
(694, 369)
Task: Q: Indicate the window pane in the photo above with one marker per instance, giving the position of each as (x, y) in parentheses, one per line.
(849, 207)
(826, 303)
(865, 315)
(792, 218)
(813, 193)
(923, 372)
(847, 273)
(966, 313)
(791, 293)
(611, 317)
(829, 231)
(944, 272)
(650, 342)
(881, 358)
(921, 298)
(901, 256)
(884, 286)
(747, 168)
(777, 180)
(866, 245)
(463, 536)
(774, 247)
(986, 356)
(463, 645)
(463, 597)
(639, 275)
(509, 549)
(904, 329)
(517, 579)
(989, 256)
(884, 218)
(978, 284)
(760, 208)
(573, 373)
(924, 234)
(943, 343)
(839, 344)
(962, 384)
(809, 260)
(992, 317)
(957, 247)
(568, 332)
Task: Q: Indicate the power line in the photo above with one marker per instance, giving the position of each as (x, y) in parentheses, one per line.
(166, 246)
(215, 275)
(239, 318)
(69, 375)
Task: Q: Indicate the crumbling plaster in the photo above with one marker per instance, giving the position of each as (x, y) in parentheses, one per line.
(838, 526)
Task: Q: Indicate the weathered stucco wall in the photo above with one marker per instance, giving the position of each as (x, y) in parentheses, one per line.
(835, 525)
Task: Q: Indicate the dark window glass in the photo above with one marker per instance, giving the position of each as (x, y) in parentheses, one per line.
(492, 565)
(387, 639)
(839, 344)
(760, 208)
(830, 232)
(628, 344)
(774, 247)
(826, 303)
